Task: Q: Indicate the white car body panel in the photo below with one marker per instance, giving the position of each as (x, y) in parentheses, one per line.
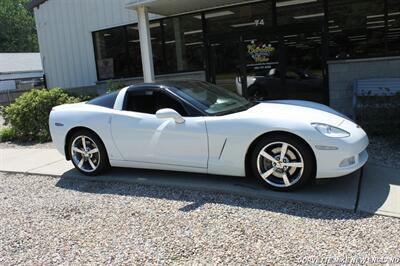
(84, 115)
(209, 144)
(145, 138)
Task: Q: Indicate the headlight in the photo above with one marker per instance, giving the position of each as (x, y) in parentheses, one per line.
(330, 131)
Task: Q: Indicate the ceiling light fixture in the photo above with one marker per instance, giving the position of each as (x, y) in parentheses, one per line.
(243, 25)
(216, 14)
(310, 16)
(314, 38)
(382, 15)
(379, 21)
(136, 41)
(376, 27)
(193, 32)
(290, 36)
(357, 36)
(193, 43)
(293, 2)
(357, 40)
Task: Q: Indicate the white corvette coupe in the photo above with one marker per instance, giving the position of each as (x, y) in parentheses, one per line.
(195, 126)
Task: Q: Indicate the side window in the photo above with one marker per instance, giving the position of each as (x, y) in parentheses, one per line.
(142, 102)
(150, 102)
(166, 101)
(107, 100)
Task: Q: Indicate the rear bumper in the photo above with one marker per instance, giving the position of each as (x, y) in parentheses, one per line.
(57, 134)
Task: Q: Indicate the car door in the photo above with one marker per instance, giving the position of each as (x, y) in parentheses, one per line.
(142, 137)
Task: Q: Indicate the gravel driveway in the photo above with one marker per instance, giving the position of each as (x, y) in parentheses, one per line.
(46, 220)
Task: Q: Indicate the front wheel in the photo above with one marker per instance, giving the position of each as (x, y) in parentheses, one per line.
(282, 163)
(88, 153)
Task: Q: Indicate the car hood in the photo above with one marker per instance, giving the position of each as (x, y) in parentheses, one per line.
(299, 110)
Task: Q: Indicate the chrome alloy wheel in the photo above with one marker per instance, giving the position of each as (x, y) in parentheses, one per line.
(280, 164)
(85, 154)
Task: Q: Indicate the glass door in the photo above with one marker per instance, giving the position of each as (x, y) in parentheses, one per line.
(225, 62)
(261, 59)
(236, 62)
(303, 64)
(228, 31)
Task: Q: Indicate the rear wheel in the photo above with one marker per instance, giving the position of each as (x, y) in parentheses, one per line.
(282, 162)
(87, 153)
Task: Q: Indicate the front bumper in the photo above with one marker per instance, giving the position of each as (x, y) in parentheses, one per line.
(360, 161)
(351, 154)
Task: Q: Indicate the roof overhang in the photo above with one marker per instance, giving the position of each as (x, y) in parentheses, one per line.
(179, 7)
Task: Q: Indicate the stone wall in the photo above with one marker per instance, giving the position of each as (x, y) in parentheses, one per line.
(343, 73)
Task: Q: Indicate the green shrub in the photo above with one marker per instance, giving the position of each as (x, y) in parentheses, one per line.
(114, 86)
(82, 97)
(28, 116)
(7, 134)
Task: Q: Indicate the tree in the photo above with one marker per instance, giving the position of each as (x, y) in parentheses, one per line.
(17, 27)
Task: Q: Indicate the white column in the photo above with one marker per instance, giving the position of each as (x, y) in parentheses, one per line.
(145, 44)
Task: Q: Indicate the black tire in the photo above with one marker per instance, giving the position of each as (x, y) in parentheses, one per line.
(102, 163)
(299, 176)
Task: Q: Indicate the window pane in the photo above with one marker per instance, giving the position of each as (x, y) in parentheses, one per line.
(135, 58)
(183, 43)
(299, 12)
(157, 46)
(141, 102)
(165, 101)
(356, 28)
(394, 26)
(107, 100)
(261, 54)
(111, 53)
(242, 18)
(304, 66)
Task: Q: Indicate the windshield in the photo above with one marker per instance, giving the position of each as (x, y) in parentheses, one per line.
(210, 98)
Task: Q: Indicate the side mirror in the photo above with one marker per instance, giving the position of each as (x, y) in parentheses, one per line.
(170, 113)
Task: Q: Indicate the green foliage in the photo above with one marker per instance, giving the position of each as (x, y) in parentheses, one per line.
(82, 97)
(7, 134)
(114, 86)
(85, 98)
(28, 116)
(17, 27)
(380, 115)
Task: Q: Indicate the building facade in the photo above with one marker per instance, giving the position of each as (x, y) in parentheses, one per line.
(20, 71)
(322, 44)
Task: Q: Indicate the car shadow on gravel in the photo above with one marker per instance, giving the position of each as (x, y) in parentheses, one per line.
(333, 199)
